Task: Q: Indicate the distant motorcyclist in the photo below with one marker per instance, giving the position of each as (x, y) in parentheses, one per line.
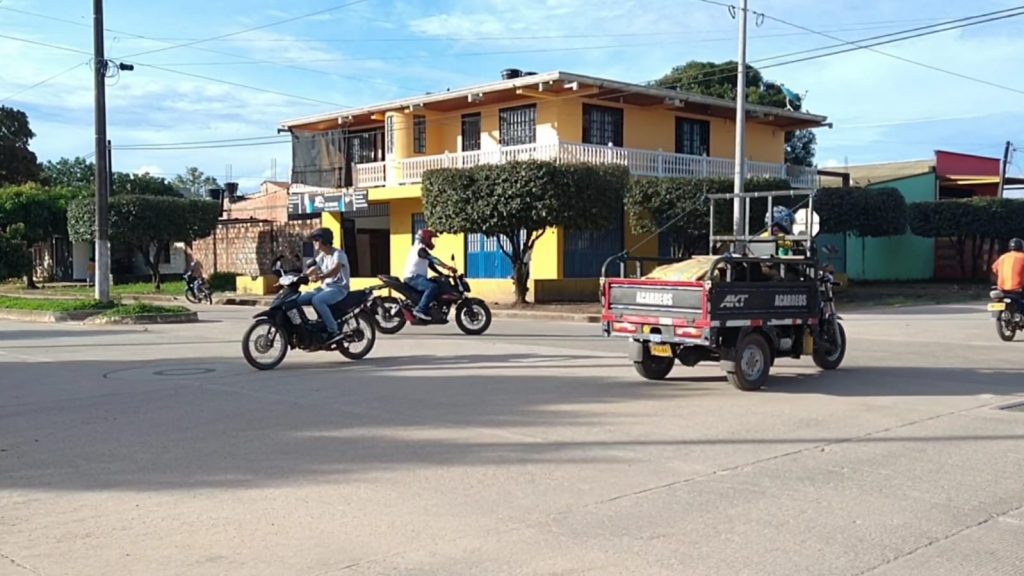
(1009, 269)
(416, 265)
(333, 272)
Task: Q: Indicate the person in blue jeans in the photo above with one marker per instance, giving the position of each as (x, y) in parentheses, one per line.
(416, 265)
(333, 272)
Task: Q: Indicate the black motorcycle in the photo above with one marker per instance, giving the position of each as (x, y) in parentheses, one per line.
(1008, 312)
(286, 325)
(391, 314)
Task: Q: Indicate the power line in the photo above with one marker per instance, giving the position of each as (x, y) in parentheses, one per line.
(46, 44)
(894, 56)
(933, 28)
(228, 140)
(207, 147)
(212, 51)
(490, 53)
(46, 80)
(928, 30)
(237, 84)
(181, 73)
(247, 30)
(872, 25)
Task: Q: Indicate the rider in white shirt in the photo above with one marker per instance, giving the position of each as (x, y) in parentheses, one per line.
(333, 271)
(416, 265)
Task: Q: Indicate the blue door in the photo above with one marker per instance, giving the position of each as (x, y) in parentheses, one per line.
(586, 250)
(484, 258)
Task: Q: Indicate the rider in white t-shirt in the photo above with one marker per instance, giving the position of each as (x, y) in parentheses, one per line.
(333, 272)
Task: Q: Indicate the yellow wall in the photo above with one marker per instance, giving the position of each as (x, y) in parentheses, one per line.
(645, 128)
(548, 255)
(445, 245)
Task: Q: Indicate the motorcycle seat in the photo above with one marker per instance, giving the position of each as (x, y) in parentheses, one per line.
(351, 301)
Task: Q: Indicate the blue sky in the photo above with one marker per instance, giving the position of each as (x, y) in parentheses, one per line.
(883, 108)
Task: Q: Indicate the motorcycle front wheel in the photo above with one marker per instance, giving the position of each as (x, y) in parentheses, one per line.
(359, 337)
(259, 345)
(473, 316)
(388, 315)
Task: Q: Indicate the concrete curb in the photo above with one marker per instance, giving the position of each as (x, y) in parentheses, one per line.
(48, 317)
(182, 318)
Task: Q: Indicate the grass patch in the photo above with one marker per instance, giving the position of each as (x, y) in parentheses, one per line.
(43, 305)
(142, 309)
(176, 288)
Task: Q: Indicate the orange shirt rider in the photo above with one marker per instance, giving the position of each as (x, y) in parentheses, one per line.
(1009, 269)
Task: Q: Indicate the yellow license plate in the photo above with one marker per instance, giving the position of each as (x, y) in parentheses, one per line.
(997, 306)
(661, 350)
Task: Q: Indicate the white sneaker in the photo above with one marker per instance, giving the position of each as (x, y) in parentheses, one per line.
(421, 316)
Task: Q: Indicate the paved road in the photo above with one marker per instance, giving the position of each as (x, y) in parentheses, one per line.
(533, 450)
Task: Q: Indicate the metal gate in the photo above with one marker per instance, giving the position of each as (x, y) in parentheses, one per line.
(586, 250)
(484, 258)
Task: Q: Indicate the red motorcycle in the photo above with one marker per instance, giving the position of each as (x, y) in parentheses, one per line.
(391, 313)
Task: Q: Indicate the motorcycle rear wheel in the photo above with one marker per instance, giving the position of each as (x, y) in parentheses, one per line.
(256, 341)
(1005, 327)
(364, 325)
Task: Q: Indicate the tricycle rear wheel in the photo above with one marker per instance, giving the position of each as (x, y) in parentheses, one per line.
(753, 362)
(654, 367)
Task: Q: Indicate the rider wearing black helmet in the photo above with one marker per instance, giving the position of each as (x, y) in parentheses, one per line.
(333, 272)
(1009, 268)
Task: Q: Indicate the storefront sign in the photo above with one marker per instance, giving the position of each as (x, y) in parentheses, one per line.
(304, 199)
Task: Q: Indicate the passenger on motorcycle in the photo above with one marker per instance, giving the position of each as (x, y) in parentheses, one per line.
(416, 265)
(1009, 269)
(333, 271)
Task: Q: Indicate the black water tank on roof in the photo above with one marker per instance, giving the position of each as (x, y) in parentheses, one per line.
(232, 190)
(511, 73)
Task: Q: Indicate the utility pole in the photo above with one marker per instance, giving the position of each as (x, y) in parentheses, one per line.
(1002, 171)
(102, 221)
(739, 217)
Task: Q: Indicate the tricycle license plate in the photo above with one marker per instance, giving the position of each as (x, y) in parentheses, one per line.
(661, 350)
(997, 306)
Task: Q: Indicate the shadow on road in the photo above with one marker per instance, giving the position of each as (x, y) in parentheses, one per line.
(207, 422)
(898, 381)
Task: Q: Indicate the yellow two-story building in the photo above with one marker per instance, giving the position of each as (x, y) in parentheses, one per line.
(381, 152)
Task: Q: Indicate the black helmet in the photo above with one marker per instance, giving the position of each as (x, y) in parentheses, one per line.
(1017, 245)
(324, 235)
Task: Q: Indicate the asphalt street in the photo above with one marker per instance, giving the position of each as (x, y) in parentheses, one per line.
(534, 449)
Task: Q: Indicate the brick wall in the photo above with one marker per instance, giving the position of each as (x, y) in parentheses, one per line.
(271, 203)
(249, 247)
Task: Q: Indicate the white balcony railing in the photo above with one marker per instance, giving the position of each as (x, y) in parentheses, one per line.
(640, 163)
(371, 175)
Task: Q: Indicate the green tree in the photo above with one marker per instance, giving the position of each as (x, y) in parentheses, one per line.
(863, 212)
(149, 224)
(31, 214)
(74, 172)
(15, 259)
(142, 185)
(969, 223)
(18, 164)
(518, 202)
(193, 182)
(680, 208)
(718, 79)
